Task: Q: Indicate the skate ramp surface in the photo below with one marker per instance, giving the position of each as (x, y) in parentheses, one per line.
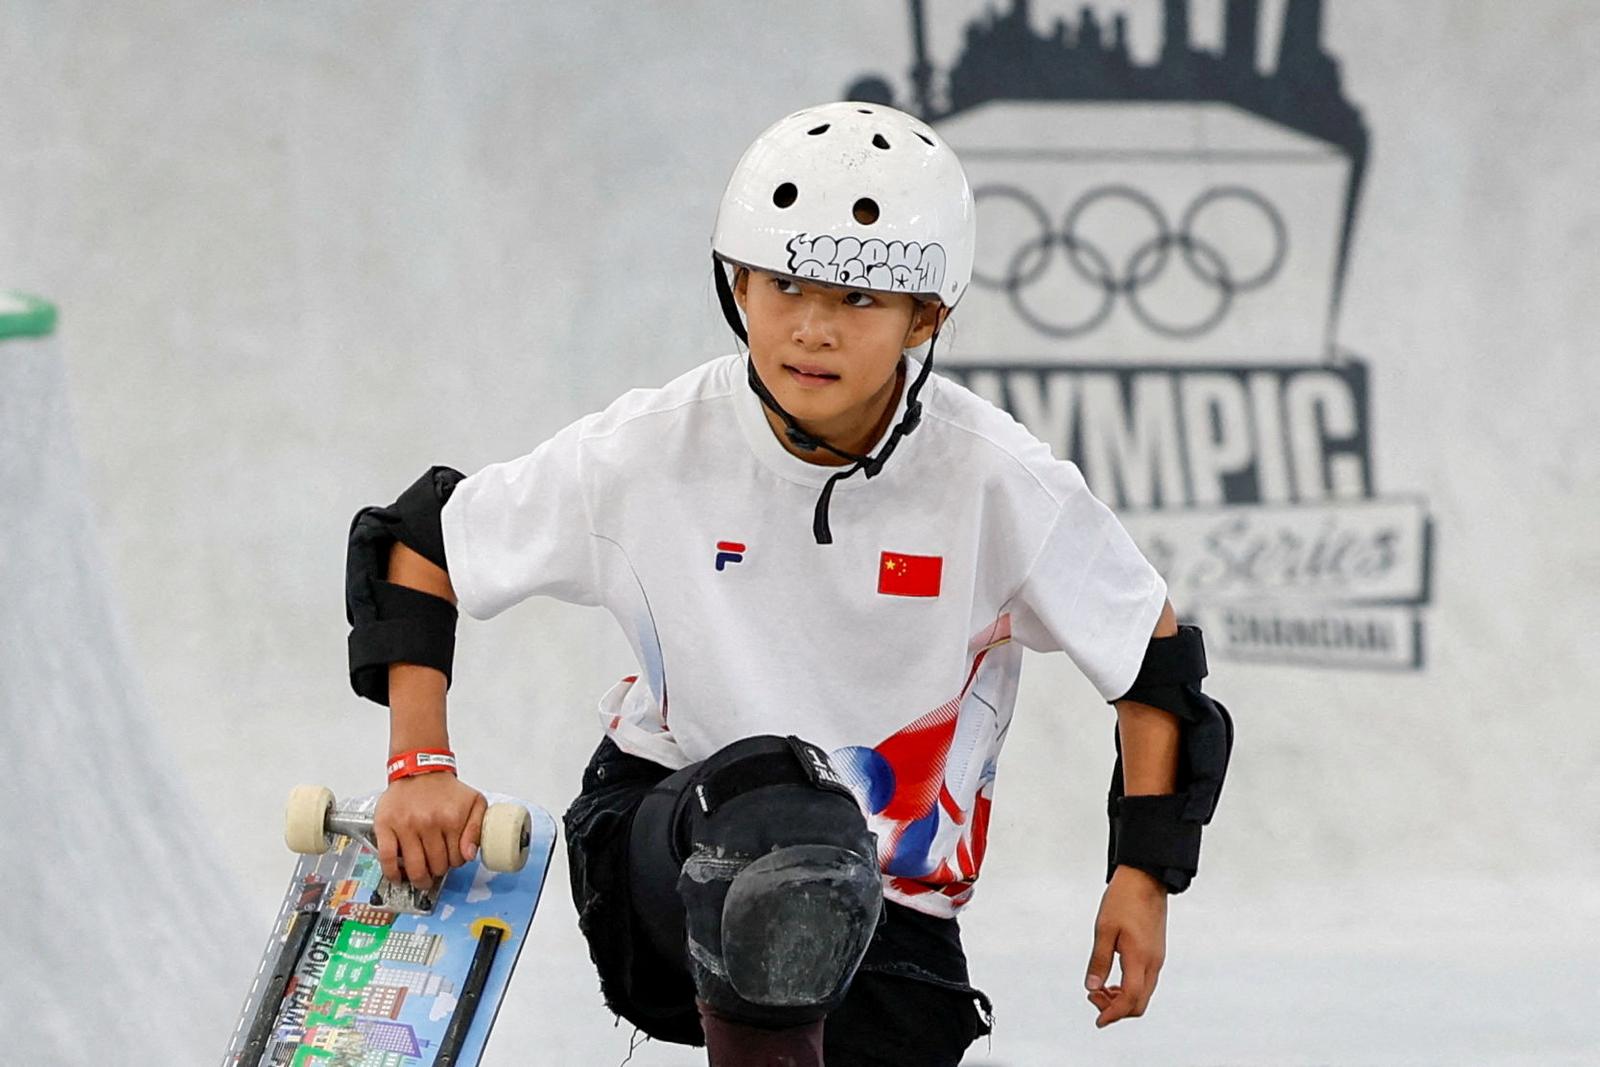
(117, 914)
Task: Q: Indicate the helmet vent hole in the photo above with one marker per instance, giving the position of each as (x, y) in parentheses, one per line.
(785, 194)
(864, 110)
(927, 140)
(865, 211)
(878, 141)
(815, 130)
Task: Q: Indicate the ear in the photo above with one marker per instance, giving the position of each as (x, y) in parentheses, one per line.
(928, 317)
(741, 286)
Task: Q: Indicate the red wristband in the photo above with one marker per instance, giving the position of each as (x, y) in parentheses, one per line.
(421, 761)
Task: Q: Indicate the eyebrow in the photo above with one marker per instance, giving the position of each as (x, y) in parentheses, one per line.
(830, 287)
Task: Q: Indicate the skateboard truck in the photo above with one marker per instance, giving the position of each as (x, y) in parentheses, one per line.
(404, 898)
(312, 818)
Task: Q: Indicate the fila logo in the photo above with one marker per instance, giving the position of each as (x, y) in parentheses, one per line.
(729, 552)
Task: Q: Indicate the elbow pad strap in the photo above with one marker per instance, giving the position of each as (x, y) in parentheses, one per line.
(1150, 832)
(410, 626)
(1171, 665)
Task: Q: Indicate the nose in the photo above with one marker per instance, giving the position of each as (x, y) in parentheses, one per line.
(814, 330)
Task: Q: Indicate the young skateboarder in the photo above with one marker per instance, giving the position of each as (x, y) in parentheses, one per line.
(828, 562)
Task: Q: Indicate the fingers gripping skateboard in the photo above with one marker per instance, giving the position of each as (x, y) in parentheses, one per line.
(312, 815)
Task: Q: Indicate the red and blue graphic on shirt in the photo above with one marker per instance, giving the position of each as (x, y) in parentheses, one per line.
(927, 789)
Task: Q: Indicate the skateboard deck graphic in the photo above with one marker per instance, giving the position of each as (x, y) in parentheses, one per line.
(344, 983)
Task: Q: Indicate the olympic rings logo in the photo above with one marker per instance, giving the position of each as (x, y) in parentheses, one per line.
(1142, 267)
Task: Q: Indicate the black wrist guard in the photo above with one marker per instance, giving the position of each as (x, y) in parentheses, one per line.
(1161, 834)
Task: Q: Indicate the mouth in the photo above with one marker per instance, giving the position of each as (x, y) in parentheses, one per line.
(810, 375)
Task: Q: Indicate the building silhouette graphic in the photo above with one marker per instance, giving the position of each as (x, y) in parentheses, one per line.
(1005, 58)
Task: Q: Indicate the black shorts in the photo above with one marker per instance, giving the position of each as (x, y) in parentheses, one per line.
(910, 1004)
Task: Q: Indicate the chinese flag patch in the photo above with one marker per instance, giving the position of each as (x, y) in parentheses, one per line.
(902, 575)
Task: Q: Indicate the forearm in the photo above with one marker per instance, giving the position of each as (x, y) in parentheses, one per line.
(1150, 740)
(417, 694)
(416, 708)
(1150, 737)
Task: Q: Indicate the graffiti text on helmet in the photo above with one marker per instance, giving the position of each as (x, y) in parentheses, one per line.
(887, 266)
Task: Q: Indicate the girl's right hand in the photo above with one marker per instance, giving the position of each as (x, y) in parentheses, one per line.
(425, 825)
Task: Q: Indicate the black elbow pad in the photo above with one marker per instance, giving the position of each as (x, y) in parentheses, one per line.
(392, 623)
(1161, 834)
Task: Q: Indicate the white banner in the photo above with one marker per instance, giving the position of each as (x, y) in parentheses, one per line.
(1350, 552)
(1364, 637)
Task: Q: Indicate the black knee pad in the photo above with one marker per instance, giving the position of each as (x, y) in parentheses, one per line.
(780, 882)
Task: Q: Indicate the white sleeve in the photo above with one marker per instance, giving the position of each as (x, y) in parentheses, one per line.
(522, 528)
(1091, 594)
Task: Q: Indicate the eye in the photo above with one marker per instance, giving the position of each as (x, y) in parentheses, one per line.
(857, 299)
(784, 285)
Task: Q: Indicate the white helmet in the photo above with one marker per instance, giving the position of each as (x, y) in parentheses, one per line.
(853, 194)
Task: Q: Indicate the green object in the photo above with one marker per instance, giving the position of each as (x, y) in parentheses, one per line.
(25, 316)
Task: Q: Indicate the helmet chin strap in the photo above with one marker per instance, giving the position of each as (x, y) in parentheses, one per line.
(807, 442)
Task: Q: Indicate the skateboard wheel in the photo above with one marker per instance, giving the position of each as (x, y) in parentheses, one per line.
(503, 844)
(305, 819)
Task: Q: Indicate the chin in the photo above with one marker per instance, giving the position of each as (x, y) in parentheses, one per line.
(808, 406)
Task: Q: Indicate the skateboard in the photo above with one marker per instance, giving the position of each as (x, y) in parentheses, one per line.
(360, 970)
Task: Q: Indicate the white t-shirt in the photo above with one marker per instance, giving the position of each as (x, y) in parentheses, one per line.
(897, 648)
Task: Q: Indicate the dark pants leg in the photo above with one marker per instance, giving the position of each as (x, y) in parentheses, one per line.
(653, 993)
(909, 1004)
